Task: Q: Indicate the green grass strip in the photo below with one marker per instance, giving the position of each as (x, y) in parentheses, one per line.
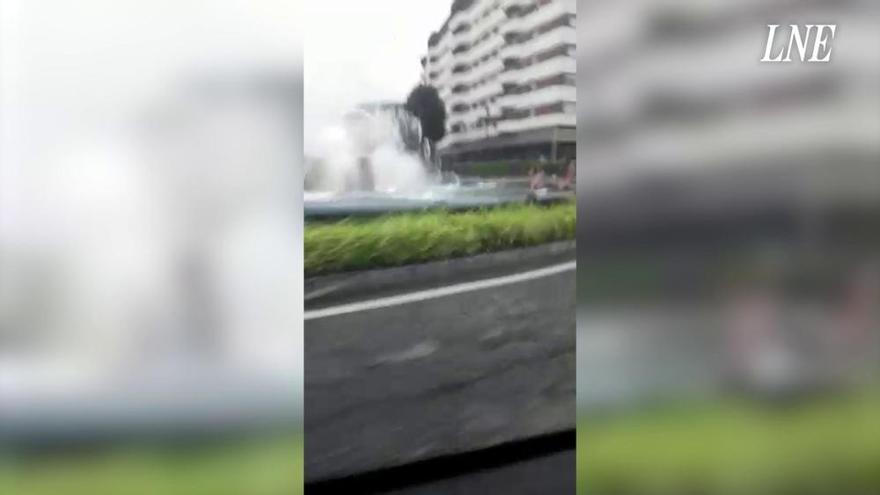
(257, 467)
(827, 447)
(403, 239)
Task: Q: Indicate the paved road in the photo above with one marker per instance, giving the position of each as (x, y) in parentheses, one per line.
(392, 385)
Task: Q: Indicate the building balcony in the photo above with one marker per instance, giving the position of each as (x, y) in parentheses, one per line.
(460, 89)
(537, 122)
(442, 43)
(484, 70)
(455, 100)
(441, 64)
(468, 135)
(750, 138)
(563, 35)
(512, 6)
(543, 15)
(460, 108)
(474, 36)
(482, 51)
(540, 70)
(485, 90)
(460, 68)
(463, 27)
(537, 97)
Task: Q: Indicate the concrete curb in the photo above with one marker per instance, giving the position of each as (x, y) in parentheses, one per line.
(337, 210)
(344, 287)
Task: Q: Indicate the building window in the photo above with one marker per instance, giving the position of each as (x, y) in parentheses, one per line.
(528, 10)
(514, 64)
(561, 21)
(550, 81)
(514, 89)
(559, 51)
(514, 113)
(517, 38)
(548, 109)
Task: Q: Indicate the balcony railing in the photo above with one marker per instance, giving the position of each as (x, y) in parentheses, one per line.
(527, 45)
(463, 27)
(537, 122)
(541, 70)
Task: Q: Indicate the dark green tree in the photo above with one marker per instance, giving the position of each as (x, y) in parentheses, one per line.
(424, 102)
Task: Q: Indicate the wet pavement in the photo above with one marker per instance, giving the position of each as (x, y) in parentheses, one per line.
(390, 386)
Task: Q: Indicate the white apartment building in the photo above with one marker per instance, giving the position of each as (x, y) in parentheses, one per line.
(506, 72)
(676, 87)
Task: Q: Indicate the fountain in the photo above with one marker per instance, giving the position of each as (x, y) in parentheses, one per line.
(155, 291)
(373, 162)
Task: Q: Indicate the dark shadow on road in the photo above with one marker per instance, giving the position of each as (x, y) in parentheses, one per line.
(536, 465)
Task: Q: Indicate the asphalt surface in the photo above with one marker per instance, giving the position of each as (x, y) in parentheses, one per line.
(391, 386)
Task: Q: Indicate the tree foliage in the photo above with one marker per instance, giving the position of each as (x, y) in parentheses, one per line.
(424, 102)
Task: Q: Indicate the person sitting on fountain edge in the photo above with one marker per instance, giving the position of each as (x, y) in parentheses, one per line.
(537, 185)
(568, 181)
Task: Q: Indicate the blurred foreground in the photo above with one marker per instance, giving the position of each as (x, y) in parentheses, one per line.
(150, 188)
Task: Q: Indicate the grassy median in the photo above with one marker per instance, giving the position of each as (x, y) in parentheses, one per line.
(402, 239)
(826, 446)
(264, 466)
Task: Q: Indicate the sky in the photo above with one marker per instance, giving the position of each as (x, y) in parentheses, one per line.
(358, 51)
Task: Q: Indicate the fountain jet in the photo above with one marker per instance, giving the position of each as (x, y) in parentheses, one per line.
(374, 149)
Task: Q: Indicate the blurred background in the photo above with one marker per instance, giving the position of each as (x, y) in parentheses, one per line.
(728, 277)
(150, 226)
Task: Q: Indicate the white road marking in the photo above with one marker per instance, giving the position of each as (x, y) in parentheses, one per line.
(324, 291)
(448, 290)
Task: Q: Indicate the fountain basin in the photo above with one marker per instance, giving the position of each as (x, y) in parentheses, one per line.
(463, 197)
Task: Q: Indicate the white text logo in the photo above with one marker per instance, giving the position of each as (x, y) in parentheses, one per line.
(819, 34)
